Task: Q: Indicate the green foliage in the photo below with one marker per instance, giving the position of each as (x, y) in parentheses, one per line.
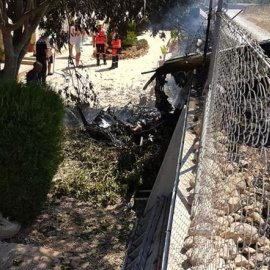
(163, 49)
(138, 166)
(174, 34)
(103, 175)
(92, 177)
(137, 28)
(130, 39)
(131, 26)
(30, 147)
(141, 44)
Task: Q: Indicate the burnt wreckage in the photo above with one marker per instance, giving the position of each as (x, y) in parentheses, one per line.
(190, 70)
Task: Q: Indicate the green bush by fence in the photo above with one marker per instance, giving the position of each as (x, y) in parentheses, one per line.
(30, 147)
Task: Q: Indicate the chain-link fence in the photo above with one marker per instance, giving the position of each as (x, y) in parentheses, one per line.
(230, 224)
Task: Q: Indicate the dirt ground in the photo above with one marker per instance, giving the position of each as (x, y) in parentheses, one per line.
(115, 87)
(86, 237)
(259, 16)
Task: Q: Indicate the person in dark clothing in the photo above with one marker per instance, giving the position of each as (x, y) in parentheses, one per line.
(41, 56)
(162, 35)
(32, 76)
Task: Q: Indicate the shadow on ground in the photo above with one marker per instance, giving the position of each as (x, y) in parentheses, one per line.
(86, 236)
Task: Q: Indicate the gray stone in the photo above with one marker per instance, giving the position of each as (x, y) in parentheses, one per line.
(198, 129)
(257, 218)
(197, 146)
(265, 249)
(263, 241)
(258, 257)
(192, 182)
(228, 251)
(241, 261)
(246, 232)
(188, 243)
(248, 250)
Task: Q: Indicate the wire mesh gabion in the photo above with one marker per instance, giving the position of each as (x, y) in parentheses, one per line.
(230, 226)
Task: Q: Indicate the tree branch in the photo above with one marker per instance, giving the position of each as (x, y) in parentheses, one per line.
(3, 15)
(25, 37)
(43, 6)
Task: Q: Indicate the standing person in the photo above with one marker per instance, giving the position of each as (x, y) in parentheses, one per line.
(116, 46)
(99, 42)
(72, 38)
(50, 46)
(32, 76)
(41, 56)
(79, 32)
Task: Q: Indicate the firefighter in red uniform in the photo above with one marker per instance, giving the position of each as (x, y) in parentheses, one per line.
(116, 46)
(99, 41)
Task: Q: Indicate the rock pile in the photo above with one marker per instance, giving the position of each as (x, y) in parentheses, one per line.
(230, 205)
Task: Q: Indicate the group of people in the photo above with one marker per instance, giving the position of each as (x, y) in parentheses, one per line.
(44, 57)
(99, 43)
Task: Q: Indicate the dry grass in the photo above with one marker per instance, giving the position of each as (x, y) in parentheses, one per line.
(259, 16)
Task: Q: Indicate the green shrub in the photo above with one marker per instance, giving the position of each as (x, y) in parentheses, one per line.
(141, 44)
(30, 147)
(132, 26)
(130, 40)
(174, 34)
(138, 29)
(92, 177)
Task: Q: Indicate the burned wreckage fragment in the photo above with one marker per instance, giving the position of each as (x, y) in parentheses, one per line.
(191, 71)
(112, 125)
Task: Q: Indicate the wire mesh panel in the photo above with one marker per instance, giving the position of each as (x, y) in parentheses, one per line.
(230, 226)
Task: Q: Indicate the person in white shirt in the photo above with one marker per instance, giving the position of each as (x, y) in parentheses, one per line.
(49, 55)
(72, 38)
(79, 32)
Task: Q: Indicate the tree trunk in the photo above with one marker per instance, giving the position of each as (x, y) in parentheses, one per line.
(11, 67)
(17, 36)
(10, 70)
(14, 53)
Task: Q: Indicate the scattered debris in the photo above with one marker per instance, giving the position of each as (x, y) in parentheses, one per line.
(111, 124)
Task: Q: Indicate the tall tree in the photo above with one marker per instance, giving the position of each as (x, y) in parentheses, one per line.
(18, 21)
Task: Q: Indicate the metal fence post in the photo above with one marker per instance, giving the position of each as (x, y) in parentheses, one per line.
(216, 41)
